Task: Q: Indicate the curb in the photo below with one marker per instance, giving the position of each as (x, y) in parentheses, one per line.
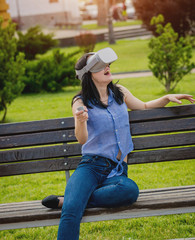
(132, 72)
(135, 74)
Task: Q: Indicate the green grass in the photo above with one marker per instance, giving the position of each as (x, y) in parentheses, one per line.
(132, 54)
(115, 24)
(36, 186)
(30, 107)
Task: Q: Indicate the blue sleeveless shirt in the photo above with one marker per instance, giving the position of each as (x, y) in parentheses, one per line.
(108, 131)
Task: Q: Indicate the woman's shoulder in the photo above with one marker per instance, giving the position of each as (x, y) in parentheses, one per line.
(123, 89)
(77, 100)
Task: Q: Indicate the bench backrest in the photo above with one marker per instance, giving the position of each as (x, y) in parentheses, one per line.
(50, 145)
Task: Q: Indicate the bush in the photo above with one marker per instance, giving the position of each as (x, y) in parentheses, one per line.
(11, 67)
(170, 56)
(35, 42)
(50, 74)
(86, 41)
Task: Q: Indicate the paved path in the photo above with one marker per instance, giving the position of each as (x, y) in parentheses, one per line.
(68, 33)
(136, 74)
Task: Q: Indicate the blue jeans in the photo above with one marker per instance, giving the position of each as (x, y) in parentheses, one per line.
(89, 187)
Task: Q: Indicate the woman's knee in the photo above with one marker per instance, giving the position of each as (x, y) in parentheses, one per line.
(130, 190)
(133, 191)
(71, 212)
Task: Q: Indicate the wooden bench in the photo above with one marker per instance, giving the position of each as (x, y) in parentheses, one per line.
(163, 134)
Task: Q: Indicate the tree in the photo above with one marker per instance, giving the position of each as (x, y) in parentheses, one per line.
(180, 13)
(170, 55)
(102, 13)
(11, 67)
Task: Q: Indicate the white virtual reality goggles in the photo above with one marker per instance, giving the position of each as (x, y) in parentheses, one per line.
(98, 61)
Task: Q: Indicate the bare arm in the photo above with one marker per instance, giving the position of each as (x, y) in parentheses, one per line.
(134, 103)
(80, 118)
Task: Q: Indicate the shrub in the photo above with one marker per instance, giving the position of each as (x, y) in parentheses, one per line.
(170, 56)
(11, 67)
(86, 41)
(34, 41)
(50, 74)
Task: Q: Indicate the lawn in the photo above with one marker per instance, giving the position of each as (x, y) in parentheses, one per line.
(30, 107)
(132, 54)
(115, 24)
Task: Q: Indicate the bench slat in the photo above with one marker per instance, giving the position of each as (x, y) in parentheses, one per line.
(39, 166)
(164, 126)
(40, 213)
(161, 155)
(40, 153)
(71, 163)
(163, 141)
(162, 113)
(127, 214)
(36, 126)
(37, 139)
(67, 150)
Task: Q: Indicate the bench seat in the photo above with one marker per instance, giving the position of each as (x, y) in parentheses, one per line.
(154, 202)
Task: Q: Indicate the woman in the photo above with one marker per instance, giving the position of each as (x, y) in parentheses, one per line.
(102, 127)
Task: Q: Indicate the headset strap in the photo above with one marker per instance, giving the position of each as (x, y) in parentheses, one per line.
(86, 69)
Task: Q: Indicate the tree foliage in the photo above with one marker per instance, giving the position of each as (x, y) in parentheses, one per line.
(34, 41)
(180, 13)
(11, 67)
(170, 55)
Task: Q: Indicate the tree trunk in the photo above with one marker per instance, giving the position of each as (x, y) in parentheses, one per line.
(4, 115)
(102, 13)
(5, 110)
(168, 86)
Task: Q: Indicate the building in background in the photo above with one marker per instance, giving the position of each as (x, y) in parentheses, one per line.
(46, 13)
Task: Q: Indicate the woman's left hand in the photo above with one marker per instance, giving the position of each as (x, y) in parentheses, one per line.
(177, 97)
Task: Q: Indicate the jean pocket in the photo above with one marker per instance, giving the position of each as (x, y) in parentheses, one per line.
(102, 163)
(86, 159)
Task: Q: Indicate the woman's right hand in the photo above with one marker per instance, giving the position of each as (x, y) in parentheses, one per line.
(82, 115)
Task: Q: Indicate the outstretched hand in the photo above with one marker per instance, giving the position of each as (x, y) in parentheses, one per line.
(177, 97)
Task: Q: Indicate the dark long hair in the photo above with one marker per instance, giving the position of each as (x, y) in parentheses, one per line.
(89, 92)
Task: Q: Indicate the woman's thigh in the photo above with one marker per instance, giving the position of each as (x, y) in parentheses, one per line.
(114, 192)
(79, 188)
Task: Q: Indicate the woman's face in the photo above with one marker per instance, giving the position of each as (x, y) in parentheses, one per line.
(102, 77)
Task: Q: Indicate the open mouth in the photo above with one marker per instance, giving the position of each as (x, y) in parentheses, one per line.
(107, 72)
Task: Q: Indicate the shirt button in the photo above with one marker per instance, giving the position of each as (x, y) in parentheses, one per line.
(119, 142)
(116, 130)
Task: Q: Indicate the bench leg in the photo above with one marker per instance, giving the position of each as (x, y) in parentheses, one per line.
(67, 175)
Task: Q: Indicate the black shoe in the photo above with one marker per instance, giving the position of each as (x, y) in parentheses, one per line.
(51, 201)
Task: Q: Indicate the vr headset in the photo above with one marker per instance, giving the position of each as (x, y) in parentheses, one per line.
(97, 61)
